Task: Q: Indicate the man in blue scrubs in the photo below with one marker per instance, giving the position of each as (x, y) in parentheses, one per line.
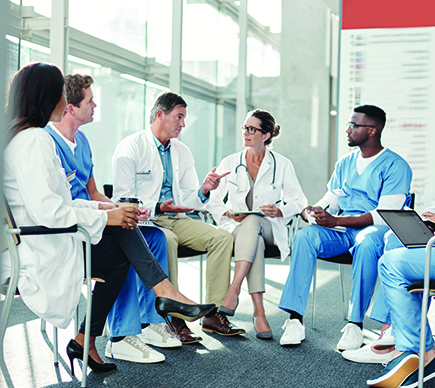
(368, 178)
(133, 321)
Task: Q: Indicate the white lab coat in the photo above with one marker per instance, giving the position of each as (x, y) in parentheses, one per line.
(51, 266)
(137, 171)
(287, 189)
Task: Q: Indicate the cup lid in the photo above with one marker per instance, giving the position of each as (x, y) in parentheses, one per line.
(129, 200)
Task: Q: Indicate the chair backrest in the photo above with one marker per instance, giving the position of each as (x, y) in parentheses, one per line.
(108, 190)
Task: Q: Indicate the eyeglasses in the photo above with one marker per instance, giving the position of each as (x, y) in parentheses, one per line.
(353, 125)
(251, 130)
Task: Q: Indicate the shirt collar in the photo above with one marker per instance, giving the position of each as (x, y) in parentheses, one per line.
(159, 145)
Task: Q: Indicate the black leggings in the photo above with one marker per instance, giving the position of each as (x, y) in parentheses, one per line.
(111, 259)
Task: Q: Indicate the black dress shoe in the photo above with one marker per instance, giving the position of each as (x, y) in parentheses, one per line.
(188, 312)
(219, 324)
(182, 332)
(75, 350)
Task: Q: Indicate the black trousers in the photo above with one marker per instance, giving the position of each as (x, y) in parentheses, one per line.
(111, 259)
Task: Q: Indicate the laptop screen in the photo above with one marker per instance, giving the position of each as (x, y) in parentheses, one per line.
(407, 226)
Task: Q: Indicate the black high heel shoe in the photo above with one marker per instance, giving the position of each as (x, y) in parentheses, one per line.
(75, 350)
(188, 312)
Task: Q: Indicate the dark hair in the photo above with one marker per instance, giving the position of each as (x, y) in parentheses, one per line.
(374, 113)
(267, 123)
(74, 85)
(166, 101)
(34, 92)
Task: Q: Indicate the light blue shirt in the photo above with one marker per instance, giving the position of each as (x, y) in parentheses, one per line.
(165, 157)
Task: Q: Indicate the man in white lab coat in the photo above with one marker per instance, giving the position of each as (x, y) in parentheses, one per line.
(154, 166)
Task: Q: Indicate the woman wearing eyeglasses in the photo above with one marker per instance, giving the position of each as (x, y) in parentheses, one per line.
(255, 202)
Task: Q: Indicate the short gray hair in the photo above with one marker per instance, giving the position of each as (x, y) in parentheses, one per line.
(166, 101)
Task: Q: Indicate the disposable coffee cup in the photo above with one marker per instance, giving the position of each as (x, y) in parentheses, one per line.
(129, 202)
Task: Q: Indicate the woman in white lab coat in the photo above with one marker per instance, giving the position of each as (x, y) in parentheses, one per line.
(260, 181)
(51, 268)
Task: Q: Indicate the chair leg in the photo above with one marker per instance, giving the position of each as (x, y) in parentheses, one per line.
(343, 291)
(201, 286)
(55, 347)
(13, 282)
(76, 320)
(314, 296)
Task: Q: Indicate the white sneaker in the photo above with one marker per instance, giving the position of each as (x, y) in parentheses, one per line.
(156, 334)
(386, 340)
(131, 348)
(294, 332)
(351, 339)
(366, 355)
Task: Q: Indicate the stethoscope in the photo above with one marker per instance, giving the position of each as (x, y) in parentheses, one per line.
(272, 184)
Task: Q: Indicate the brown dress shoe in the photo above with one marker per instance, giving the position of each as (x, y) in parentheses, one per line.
(182, 332)
(219, 324)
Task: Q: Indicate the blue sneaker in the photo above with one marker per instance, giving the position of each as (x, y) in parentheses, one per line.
(396, 371)
(429, 373)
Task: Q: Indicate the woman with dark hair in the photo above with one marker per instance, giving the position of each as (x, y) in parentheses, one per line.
(262, 195)
(51, 268)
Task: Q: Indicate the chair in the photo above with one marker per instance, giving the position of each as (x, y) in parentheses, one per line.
(426, 286)
(108, 190)
(12, 235)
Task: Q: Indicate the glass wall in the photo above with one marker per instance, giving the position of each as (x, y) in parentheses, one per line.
(124, 92)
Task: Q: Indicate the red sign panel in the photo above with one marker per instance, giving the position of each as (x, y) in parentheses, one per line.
(357, 14)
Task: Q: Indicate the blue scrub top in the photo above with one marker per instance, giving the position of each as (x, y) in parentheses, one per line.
(388, 174)
(79, 163)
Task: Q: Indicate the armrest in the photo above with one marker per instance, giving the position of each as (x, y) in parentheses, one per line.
(33, 230)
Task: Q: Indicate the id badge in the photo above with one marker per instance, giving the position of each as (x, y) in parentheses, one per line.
(71, 176)
(143, 176)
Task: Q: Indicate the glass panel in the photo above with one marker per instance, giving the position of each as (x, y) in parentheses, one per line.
(12, 65)
(119, 113)
(200, 50)
(212, 54)
(136, 25)
(159, 30)
(263, 60)
(199, 134)
(31, 52)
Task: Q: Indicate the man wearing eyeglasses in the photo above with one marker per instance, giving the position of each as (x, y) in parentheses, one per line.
(369, 178)
(154, 166)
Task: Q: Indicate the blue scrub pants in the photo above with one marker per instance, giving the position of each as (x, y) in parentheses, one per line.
(380, 311)
(135, 304)
(397, 269)
(366, 246)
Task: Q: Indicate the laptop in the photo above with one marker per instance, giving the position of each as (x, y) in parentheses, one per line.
(408, 226)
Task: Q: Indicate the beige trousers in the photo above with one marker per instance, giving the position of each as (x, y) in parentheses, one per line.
(201, 237)
(250, 239)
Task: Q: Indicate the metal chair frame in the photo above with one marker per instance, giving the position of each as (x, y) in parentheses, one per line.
(11, 234)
